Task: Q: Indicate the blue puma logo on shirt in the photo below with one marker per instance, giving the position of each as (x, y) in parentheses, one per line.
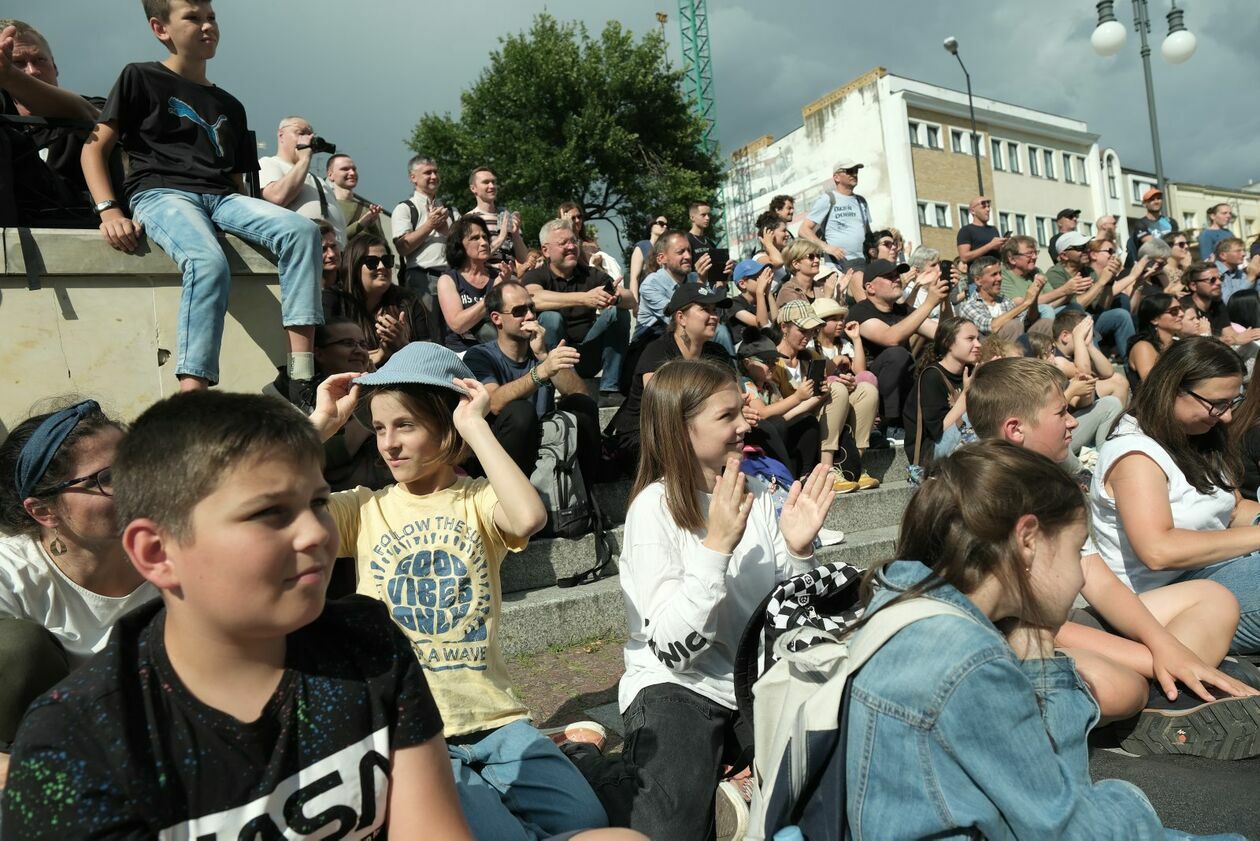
(182, 109)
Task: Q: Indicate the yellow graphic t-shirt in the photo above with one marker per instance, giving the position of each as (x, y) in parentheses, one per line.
(434, 561)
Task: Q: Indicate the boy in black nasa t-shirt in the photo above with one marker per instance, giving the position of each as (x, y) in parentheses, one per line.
(188, 146)
(243, 706)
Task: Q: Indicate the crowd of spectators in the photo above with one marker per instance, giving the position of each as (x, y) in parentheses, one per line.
(169, 577)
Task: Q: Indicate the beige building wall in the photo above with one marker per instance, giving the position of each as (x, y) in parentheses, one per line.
(943, 176)
(102, 324)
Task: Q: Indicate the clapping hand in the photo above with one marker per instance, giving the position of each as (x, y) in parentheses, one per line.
(805, 510)
(392, 331)
(728, 509)
(562, 358)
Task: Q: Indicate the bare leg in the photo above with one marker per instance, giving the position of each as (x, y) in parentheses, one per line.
(1120, 692)
(301, 338)
(1114, 386)
(187, 382)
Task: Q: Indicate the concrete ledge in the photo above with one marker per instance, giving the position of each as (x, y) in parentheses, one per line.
(79, 251)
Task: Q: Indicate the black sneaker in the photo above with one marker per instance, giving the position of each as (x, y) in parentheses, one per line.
(610, 399)
(302, 394)
(1241, 670)
(1227, 728)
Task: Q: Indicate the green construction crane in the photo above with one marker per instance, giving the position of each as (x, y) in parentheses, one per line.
(693, 21)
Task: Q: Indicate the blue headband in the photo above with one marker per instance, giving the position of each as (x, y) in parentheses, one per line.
(40, 449)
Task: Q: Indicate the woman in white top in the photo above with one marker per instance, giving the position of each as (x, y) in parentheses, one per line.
(1164, 496)
(702, 548)
(64, 577)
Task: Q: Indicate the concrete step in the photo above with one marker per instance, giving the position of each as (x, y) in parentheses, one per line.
(545, 617)
(545, 560)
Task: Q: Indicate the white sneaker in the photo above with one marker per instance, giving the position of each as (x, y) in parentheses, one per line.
(829, 537)
(730, 812)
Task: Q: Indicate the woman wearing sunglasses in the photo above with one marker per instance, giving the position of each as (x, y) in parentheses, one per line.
(1164, 498)
(390, 315)
(640, 256)
(64, 578)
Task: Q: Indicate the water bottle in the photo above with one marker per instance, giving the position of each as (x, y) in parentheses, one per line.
(789, 833)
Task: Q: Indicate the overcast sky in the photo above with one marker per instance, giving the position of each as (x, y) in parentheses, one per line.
(364, 72)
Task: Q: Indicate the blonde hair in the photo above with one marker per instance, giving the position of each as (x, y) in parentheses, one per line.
(1010, 388)
(799, 249)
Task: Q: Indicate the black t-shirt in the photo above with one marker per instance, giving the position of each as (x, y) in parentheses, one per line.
(179, 134)
(122, 749)
(936, 384)
(977, 236)
(865, 310)
(63, 145)
(1251, 462)
(577, 320)
(742, 331)
(625, 424)
(469, 295)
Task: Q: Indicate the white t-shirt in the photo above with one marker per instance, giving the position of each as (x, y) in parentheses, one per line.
(306, 203)
(32, 587)
(686, 604)
(432, 251)
(846, 226)
(1190, 509)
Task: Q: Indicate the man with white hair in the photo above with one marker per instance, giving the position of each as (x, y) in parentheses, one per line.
(420, 225)
(581, 305)
(286, 178)
(840, 219)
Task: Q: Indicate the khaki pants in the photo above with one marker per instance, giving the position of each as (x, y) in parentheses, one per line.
(856, 408)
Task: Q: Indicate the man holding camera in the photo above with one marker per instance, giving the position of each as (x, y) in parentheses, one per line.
(287, 181)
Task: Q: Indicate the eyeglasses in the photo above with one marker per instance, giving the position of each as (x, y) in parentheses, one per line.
(1212, 279)
(1175, 312)
(348, 344)
(660, 223)
(853, 171)
(372, 261)
(1181, 245)
(887, 243)
(519, 310)
(103, 479)
(1217, 408)
(1110, 252)
(1032, 254)
(812, 257)
(984, 204)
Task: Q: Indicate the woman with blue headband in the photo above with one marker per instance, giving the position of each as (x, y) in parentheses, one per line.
(64, 577)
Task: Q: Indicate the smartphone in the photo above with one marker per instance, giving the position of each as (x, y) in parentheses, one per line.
(817, 372)
(610, 287)
(947, 270)
(1006, 234)
(720, 257)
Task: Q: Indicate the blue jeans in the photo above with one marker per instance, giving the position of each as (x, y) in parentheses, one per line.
(1116, 324)
(1241, 576)
(603, 347)
(183, 225)
(515, 785)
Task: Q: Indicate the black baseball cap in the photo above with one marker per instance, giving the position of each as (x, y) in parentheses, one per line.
(693, 293)
(761, 348)
(1067, 213)
(882, 268)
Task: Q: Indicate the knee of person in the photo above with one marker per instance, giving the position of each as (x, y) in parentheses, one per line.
(552, 320)
(1120, 692)
(25, 648)
(898, 356)
(520, 411)
(1215, 600)
(301, 231)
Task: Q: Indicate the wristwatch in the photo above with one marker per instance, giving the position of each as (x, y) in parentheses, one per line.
(101, 207)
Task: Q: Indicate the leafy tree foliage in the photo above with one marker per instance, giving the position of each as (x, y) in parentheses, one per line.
(560, 116)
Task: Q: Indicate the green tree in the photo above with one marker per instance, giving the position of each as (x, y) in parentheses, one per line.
(560, 116)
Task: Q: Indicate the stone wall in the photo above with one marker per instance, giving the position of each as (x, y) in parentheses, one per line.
(102, 323)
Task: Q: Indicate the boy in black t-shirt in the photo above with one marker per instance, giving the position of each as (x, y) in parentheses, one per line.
(243, 706)
(188, 146)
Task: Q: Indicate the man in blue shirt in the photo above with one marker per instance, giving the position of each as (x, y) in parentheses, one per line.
(672, 257)
(1236, 272)
(839, 219)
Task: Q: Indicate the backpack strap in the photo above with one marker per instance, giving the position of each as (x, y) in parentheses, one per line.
(323, 198)
(415, 214)
(886, 622)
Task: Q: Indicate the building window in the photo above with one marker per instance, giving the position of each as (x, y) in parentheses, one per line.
(915, 134)
(964, 215)
(933, 137)
(1012, 155)
(1187, 221)
(934, 214)
(1004, 222)
(1044, 231)
(1082, 172)
(1021, 224)
(995, 148)
(1087, 228)
(1067, 169)
(1034, 161)
(1048, 157)
(1111, 178)
(1139, 187)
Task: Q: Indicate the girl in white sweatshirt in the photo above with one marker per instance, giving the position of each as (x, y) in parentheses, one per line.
(702, 548)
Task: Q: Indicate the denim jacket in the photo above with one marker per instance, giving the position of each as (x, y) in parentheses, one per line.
(950, 735)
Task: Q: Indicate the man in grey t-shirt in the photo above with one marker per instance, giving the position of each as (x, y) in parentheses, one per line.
(839, 219)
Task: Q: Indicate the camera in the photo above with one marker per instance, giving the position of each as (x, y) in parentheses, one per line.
(318, 145)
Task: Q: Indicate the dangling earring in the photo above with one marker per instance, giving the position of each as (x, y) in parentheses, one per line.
(57, 546)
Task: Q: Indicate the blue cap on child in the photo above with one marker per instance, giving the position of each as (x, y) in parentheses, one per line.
(420, 363)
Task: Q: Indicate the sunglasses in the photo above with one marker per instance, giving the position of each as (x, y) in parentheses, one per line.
(984, 204)
(1181, 245)
(887, 243)
(1110, 252)
(519, 310)
(853, 171)
(1175, 312)
(103, 479)
(373, 262)
(660, 223)
(348, 344)
(1212, 279)
(1217, 408)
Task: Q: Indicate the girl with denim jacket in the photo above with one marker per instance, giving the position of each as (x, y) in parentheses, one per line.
(965, 727)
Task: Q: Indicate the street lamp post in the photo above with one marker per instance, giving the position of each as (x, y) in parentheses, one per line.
(1180, 44)
(951, 47)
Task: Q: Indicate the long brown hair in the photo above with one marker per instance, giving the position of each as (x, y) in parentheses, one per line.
(1246, 418)
(674, 396)
(1207, 459)
(961, 521)
(394, 299)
